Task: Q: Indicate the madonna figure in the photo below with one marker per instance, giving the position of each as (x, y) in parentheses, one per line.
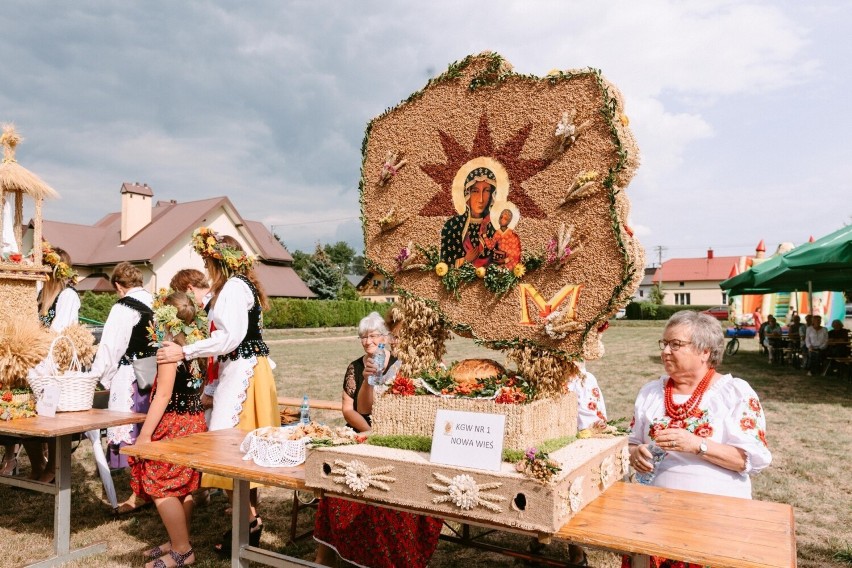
(466, 236)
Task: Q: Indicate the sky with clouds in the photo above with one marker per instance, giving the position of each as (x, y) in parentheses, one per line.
(738, 106)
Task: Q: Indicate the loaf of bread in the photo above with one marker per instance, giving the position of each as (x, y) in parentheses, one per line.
(471, 371)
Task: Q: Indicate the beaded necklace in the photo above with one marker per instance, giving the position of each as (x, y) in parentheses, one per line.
(682, 411)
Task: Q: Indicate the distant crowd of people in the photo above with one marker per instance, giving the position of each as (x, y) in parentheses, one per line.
(808, 344)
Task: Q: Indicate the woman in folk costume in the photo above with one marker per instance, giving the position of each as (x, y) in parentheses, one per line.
(124, 340)
(244, 394)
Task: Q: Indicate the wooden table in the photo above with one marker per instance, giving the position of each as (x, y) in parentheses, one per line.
(638, 520)
(62, 427)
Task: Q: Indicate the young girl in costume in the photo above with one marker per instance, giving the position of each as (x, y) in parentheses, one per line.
(175, 412)
(124, 339)
(244, 395)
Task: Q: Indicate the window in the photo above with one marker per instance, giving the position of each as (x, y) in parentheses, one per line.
(376, 283)
(724, 297)
(682, 298)
(681, 284)
(641, 293)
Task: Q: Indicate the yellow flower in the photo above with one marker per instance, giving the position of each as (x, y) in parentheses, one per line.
(519, 270)
(480, 272)
(624, 120)
(441, 268)
(553, 72)
(583, 434)
(211, 240)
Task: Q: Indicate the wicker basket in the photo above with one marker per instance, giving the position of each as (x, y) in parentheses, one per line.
(76, 388)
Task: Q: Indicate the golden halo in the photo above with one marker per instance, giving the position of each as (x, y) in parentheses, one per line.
(502, 192)
(498, 207)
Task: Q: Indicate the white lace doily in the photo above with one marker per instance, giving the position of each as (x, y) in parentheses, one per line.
(269, 447)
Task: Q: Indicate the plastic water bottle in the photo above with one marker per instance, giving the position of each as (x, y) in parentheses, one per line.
(657, 455)
(379, 360)
(305, 413)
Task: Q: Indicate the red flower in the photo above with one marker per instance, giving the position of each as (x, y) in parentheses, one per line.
(16, 257)
(360, 438)
(7, 396)
(592, 405)
(704, 430)
(754, 404)
(632, 422)
(403, 386)
(696, 413)
(747, 423)
(677, 424)
(762, 435)
(655, 429)
(596, 392)
(603, 327)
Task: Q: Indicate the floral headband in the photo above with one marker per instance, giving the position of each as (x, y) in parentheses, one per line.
(166, 322)
(207, 243)
(61, 270)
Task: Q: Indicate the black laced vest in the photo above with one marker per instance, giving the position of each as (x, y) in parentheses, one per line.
(186, 394)
(252, 344)
(138, 347)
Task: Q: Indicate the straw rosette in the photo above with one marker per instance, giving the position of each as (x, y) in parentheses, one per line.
(76, 388)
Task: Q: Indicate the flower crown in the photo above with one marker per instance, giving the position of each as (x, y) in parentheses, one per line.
(166, 322)
(207, 243)
(61, 269)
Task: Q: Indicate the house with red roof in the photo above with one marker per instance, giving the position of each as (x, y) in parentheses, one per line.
(156, 238)
(687, 281)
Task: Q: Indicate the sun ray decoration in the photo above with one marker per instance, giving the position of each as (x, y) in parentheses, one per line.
(465, 493)
(358, 477)
(519, 170)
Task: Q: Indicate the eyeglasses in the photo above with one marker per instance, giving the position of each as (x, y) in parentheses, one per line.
(371, 337)
(674, 344)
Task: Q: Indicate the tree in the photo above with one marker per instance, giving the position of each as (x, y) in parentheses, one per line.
(358, 265)
(322, 276)
(657, 296)
(341, 255)
(300, 262)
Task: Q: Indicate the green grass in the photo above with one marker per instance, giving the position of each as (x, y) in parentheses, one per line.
(808, 430)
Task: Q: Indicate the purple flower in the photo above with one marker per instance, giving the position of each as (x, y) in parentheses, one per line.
(530, 454)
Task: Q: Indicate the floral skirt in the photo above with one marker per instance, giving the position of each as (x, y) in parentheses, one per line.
(374, 537)
(152, 479)
(660, 562)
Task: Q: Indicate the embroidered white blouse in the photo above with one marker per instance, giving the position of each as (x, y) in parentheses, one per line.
(730, 414)
(67, 310)
(591, 408)
(116, 336)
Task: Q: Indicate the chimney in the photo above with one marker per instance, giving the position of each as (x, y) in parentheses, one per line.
(136, 202)
(710, 254)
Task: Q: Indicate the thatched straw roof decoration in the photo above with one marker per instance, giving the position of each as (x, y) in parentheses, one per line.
(16, 178)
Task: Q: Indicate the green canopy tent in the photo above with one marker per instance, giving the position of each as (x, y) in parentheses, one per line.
(825, 264)
(746, 281)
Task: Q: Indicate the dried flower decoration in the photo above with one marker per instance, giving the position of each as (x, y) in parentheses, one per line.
(538, 465)
(358, 477)
(393, 163)
(410, 258)
(166, 325)
(584, 184)
(559, 248)
(207, 243)
(465, 493)
(390, 220)
(607, 471)
(557, 325)
(567, 132)
(575, 494)
(61, 270)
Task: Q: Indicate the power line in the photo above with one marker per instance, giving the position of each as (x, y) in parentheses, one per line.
(311, 222)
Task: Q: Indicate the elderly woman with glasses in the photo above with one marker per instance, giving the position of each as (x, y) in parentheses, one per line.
(711, 426)
(358, 394)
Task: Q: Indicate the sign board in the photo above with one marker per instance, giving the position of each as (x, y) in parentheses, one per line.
(468, 439)
(46, 405)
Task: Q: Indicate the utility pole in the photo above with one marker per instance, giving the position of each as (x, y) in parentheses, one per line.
(660, 249)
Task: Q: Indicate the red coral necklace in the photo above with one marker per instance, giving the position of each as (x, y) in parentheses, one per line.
(682, 411)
